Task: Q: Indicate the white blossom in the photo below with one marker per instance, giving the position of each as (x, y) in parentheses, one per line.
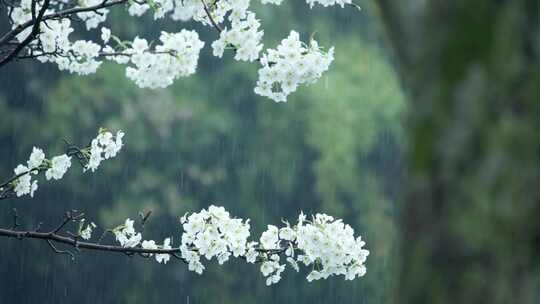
(59, 166)
(105, 34)
(333, 245)
(36, 158)
(286, 233)
(95, 156)
(290, 65)
(244, 35)
(126, 234)
(136, 9)
(251, 254)
(149, 244)
(269, 238)
(213, 233)
(176, 57)
(272, 270)
(163, 257)
(104, 146)
(92, 18)
(324, 243)
(293, 263)
(24, 184)
(86, 233)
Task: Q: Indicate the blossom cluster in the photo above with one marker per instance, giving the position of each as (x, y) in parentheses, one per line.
(126, 234)
(78, 57)
(54, 168)
(212, 233)
(92, 19)
(104, 146)
(326, 244)
(176, 55)
(59, 166)
(290, 65)
(244, 36)
(160, 257)
(81, 57)
(24, 184)
(331, 246)
(86, 232)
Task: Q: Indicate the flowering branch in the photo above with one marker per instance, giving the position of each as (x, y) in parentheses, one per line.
(176, 56)
(104, 146)
(209, 15)
(9, 36)
(35, 31)
(325, 244)
(52, 238)
(74, 242)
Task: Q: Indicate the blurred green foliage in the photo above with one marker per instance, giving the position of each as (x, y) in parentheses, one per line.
(335, 147)
(470, 231)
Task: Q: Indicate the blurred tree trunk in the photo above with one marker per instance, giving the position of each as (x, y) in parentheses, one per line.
(471, 216)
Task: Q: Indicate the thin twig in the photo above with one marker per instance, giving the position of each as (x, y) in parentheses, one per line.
(207, 11)
(60, 251)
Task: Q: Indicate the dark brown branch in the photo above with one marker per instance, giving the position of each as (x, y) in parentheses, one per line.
(52, 237)
(35, 31)
(9, 36)
(101, 54)
(105, 54)
(33, 56)
(69, 216)
(207, 11)
(71, 241)
(16, 176)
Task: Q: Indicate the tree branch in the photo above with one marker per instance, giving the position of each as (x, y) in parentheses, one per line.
(53, 237)
(9, 36)
(35, 31)
(6, 188)
(71, 241)
(207, 11)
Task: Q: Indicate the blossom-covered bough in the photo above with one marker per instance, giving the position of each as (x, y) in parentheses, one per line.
(41, 29)
(104, 146)
(326, 246)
